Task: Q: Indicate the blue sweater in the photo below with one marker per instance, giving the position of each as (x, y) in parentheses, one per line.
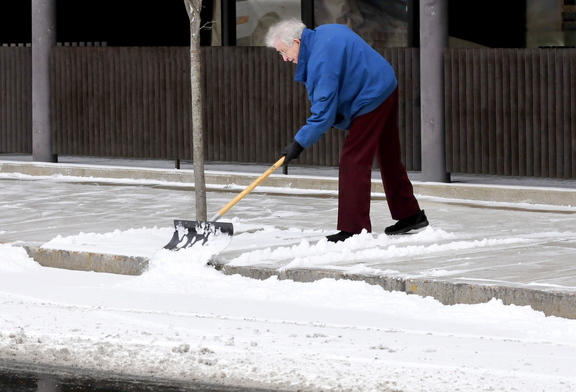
(345, 78)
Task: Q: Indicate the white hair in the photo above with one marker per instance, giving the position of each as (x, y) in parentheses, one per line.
(286, 31)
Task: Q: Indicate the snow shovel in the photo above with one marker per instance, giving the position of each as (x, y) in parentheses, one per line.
(218, 235)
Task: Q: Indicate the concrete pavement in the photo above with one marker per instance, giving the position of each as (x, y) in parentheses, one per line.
(511, 239)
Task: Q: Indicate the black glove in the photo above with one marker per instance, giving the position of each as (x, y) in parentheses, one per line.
(292, 151)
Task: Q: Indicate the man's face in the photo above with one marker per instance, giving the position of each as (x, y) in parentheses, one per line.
(289, 52)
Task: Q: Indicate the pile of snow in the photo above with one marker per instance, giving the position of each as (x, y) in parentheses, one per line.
(15, 259)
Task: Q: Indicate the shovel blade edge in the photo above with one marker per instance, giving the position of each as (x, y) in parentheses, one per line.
(188, 233)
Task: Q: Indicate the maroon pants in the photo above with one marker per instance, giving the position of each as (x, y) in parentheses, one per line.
(373, 134)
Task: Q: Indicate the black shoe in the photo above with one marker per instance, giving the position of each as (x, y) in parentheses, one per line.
(342, 236)
(411, 223)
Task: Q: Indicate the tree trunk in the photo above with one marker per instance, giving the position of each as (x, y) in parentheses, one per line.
(193, 7)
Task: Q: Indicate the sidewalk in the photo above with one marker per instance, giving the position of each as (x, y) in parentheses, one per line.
(513, 242)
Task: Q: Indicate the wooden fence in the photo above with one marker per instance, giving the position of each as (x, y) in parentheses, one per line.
(135, 102)
(508, 111)
(511, 112)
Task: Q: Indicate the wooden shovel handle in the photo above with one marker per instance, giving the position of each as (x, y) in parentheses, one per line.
(250, 187)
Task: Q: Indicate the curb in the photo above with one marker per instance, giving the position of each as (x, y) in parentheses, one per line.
(559, 304)
(551, 303)
(498, 193)
(487, 193)
(87, 261)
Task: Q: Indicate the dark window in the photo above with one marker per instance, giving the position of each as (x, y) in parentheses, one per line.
(123, 22)
(15, 22)
(492, 23)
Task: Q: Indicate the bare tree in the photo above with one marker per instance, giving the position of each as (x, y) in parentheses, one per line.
(193, 7)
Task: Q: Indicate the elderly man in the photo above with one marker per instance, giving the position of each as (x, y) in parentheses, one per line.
(350, 87)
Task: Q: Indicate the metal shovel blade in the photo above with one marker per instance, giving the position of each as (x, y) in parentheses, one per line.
(188, 233)
(216, 235)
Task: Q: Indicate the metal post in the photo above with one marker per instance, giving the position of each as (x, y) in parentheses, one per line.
(43, 39)
(433, 42)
